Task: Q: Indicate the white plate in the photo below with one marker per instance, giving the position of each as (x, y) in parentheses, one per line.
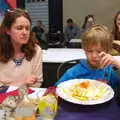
(63, 90)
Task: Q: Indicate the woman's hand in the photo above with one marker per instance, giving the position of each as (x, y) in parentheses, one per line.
(30, 80)
(26, 81)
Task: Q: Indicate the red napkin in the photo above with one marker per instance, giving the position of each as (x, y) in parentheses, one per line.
(50, 90)
(12, 93)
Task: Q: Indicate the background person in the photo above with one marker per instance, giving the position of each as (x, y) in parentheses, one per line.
(116, 28)
(88, 22)
(20, 57)
(71, 31)
(40, 32)
(116, 34)
(97, 43)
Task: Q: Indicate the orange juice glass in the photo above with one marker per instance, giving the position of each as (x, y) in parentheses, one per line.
(25, 113)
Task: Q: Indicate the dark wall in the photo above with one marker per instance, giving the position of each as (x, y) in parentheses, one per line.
(20, 3)
(55, 15)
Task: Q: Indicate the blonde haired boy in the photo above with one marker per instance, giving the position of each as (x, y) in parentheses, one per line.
(97, 44)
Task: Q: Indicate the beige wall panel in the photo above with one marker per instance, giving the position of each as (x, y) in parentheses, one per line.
(104, 10)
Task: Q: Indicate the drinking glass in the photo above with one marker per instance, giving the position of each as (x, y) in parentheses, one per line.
(47, 107)
(25, 113)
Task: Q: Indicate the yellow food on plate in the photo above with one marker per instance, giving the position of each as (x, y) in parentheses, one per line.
(87, 90)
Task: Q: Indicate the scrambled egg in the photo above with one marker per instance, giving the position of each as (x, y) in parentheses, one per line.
(87, 91)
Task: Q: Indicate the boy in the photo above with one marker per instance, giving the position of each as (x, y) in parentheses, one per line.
(99, 65)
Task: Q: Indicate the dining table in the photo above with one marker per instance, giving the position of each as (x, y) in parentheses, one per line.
(105, 111)
(75, 43)
(60, 55)
(77, 101)
(109, 110)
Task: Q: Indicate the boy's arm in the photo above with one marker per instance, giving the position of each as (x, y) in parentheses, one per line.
(116, 70)
(115, 77)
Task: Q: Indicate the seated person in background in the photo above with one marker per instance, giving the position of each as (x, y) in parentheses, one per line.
(116, 32)
(71, 31)
(40, 31)
(20, 56)
(88, 22)
(116, 29)
(99, 65)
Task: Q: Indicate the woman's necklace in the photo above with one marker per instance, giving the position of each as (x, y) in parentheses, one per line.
(18, 61)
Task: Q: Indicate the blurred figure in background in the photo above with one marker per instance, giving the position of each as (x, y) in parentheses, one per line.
(88, 22)
(71, 31)
(116, 34)
(116, 28)
(40, 32)
(20, 56)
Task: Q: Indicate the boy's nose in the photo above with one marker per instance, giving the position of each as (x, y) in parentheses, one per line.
(95, 55)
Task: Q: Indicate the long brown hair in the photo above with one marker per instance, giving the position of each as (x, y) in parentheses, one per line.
(115, 31)
(6, 47)
(86, 20)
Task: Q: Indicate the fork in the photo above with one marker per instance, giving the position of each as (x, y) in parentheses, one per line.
(105, 76)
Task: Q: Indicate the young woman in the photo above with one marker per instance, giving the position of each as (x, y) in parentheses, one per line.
(20, 57)
(116, 29)
(88, 22)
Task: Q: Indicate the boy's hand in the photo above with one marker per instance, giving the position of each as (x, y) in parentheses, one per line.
(104, 81)
(106, 60)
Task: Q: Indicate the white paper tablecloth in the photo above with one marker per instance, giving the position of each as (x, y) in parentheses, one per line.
(59, 55)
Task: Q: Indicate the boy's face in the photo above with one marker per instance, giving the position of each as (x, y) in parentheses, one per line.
(93, 57)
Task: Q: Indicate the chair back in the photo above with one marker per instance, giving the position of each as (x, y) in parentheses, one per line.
(66, 65)
(55, 40)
